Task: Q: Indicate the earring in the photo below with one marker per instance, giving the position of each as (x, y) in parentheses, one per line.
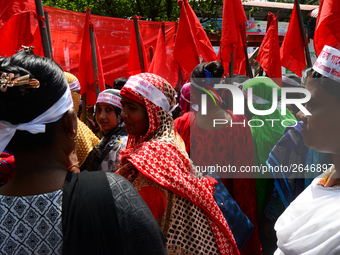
(73, 138)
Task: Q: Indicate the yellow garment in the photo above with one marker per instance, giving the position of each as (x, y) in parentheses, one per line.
(86, 138)
(86, 141)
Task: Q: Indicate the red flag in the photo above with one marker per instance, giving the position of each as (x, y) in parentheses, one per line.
(185, 51)
(159, 64)
(233, 17)
(173, 70)
(292, 49)
(134, 66)
(10, 8)
(15, 21)
(269, 53)
(327, 31)
(86, 75)
(204, 47)
(242, 45)
(239, 63)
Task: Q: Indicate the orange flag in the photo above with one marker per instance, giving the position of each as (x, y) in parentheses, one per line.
(86, 75)
(134, 66)
(327, 31)
(292, 49)
(269, 53)
(159, 64)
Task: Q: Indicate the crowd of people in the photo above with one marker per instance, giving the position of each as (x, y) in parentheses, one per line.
(150, 182)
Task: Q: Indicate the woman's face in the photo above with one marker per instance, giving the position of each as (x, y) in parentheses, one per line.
(106, 116)
(321, 129)
(135, 117)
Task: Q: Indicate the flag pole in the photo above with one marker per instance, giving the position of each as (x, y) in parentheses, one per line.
(248, 68)
(94, 57)
(163, 30)
(151, 53)
(42, 27)
(302, 28)
(231, 66)
(48, 31)
(139, 44)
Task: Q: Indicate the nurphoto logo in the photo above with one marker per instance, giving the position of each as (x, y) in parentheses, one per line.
(238, 96)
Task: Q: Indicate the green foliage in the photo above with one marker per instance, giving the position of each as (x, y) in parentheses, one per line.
(156, 10)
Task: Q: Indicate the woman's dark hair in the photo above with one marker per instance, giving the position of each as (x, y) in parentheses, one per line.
(119, 83)
(330, 85)
(207, 73)
(19, 105)
(3, 60)
(215, 68)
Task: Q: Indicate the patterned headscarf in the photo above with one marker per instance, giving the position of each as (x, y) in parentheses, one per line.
(158, 156)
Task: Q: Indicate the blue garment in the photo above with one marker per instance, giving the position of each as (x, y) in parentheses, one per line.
(238, 222)
(291, 154)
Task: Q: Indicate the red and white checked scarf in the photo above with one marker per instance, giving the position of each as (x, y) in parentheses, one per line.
(158, 158)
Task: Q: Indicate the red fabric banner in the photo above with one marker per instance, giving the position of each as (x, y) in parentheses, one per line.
(233, 17)
(159, 63)
(86, 75)
(327, 31)
(269, 53)
(113, 35)
(292, 49)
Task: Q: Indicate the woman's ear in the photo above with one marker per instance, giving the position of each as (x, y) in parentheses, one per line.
(195, 94)
(70, 122)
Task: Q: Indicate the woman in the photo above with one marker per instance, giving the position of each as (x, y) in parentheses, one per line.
(224, 144)
(310, 224)
(45, 209)
(105, 156)
(160, 170)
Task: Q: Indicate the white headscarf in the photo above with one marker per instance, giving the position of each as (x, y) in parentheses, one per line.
(37, 125)
(311, 223)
